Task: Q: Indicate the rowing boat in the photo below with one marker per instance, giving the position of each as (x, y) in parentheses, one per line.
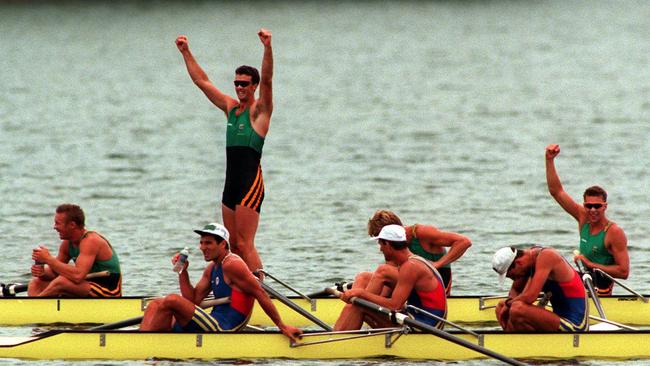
(132, 345)
(461, 309)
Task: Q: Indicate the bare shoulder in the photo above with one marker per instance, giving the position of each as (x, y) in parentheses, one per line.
(549, 256)
(616, 235)
(413, 267)
(615, 229)
(234, 263)
(93, 237)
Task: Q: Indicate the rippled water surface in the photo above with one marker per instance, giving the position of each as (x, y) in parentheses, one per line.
(439, 111)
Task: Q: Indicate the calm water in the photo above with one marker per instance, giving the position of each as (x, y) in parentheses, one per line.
(439, 111)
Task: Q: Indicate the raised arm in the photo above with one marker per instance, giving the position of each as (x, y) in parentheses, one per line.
(555, 186)
(431, 237)
(200, 78)
(264, 107)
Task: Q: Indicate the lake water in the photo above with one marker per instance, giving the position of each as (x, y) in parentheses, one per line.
(439, 111)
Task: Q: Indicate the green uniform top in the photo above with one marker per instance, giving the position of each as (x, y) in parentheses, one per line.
(416, 248)
(593, 246)
(112, 265)
(240, 132)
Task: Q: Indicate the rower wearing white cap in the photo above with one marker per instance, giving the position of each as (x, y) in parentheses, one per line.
(536, 270)
(418, 283)
(227, 276)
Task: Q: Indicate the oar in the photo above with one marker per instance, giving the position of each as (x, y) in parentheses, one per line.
(285, 300)
(138, 319)
(339, 286)
(620, 283)
(12, 289)
(403, 319)
(586, 278)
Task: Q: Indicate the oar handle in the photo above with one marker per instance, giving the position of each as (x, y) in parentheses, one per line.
(98, 274)
(341, 286)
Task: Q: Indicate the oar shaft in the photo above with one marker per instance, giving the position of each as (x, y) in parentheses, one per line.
(138, 319)
(620, 283)
(401, 318)
(588, 281)
(590, 287)
(283, 299)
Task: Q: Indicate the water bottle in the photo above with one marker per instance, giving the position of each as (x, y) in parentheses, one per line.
(37, 262)
(182, 258)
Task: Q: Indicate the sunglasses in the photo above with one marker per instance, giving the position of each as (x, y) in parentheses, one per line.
(589, 206)
(242, 83)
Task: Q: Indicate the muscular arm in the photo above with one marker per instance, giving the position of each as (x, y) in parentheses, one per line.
(432, 237)
(406, 279)
(242, 278)
(198, 293)
(545, 263)
(555, 186)
(264, 108)
(200, 78)
(88, 249)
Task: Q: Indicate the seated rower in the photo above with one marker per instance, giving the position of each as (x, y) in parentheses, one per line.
(417, 283)
(536, 270)
(90, 252)
(425, 241)
(226, 276)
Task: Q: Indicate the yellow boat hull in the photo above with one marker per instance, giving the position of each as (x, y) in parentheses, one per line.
(462, 309)
(129, 345)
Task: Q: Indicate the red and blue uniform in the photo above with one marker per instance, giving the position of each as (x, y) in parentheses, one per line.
(224, 317)
(434, 302)
(569, 301)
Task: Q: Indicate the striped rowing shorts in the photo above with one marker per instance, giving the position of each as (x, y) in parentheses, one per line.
(110, 286)
(202, 322)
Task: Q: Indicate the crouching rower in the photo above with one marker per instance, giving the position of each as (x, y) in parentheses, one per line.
(536, 270)
(227, 276)
(417, 283)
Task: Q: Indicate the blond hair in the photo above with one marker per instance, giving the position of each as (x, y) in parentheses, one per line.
(380, 219)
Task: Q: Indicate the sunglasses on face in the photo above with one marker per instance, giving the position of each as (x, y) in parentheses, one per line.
(596, 206)
(242, 83)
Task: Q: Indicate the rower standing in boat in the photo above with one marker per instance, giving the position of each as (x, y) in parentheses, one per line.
(425, 241)
(603, 244)
(89, 250)
(536, 270)
(417, 283)
(248, 124)
(226, 276)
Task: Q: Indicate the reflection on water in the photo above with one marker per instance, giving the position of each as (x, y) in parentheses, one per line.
(439, 111)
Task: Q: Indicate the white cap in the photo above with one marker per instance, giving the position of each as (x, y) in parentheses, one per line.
(502, 260)
(391, 233)
(215, 229)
